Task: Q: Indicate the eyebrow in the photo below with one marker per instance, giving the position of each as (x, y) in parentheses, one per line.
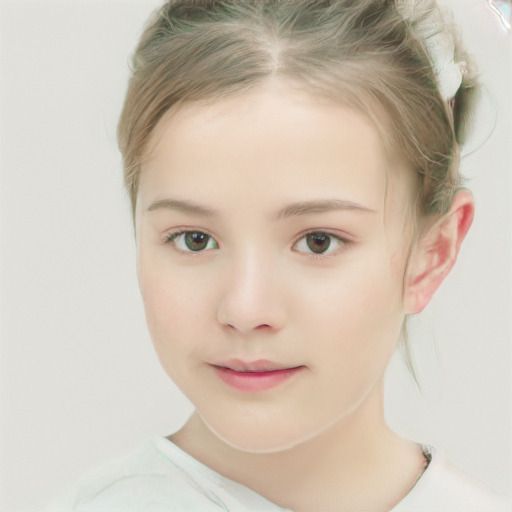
(291, 210)
(183, 206)
(320, 206)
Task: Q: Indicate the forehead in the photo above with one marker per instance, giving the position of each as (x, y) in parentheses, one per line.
(275, 143)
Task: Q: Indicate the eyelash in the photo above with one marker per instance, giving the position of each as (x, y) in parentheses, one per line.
(171, 237)
(342, 241)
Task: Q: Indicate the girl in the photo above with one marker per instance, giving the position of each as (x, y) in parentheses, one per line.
(293, 173)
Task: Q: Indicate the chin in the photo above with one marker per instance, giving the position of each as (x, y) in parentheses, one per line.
(258, 438)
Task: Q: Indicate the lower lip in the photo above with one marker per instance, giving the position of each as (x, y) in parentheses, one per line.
(255, 381)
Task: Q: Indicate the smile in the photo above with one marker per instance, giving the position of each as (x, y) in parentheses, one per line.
(258, 376)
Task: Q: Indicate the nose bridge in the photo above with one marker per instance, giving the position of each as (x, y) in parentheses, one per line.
(250, 295)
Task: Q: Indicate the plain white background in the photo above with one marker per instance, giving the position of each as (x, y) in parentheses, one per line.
(79, 380)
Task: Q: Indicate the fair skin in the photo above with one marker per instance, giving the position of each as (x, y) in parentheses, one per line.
(254, 289)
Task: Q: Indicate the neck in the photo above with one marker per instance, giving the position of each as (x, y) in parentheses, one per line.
(331, 471)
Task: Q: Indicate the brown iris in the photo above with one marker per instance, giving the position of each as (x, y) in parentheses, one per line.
(196, 241)
(318, 242)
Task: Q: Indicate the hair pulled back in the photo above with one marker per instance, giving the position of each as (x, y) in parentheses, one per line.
(362, 53)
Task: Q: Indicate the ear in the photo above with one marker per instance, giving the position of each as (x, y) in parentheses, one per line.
(436, 251)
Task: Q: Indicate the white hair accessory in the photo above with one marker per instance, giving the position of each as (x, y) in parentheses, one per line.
(439, 43)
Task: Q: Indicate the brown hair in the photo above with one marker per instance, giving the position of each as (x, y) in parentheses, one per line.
(360, 52)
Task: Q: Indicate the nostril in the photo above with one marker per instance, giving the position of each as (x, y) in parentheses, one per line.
(266, 328)
(261, 327)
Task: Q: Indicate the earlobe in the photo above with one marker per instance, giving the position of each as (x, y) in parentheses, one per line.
(436, 251)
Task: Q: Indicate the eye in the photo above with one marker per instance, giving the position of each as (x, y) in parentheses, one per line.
(191, 241)
(319, 243)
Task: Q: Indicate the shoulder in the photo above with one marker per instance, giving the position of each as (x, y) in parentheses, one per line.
(458, 488)
(444, 487)
(158, 477)
(145, 479)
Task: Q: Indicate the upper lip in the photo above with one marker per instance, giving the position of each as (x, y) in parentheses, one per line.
(261, 365)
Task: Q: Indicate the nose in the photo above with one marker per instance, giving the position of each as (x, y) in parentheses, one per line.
(251, 298)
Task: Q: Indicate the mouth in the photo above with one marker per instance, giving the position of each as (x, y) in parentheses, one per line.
(255, 375)
(259, 366)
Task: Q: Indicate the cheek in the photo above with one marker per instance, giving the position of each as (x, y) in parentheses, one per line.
(356, 314)
(366, 286)
(177, 306)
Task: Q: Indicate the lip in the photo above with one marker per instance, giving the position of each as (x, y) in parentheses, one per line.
(254, 376)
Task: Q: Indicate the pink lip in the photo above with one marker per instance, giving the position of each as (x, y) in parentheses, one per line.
(254, 376)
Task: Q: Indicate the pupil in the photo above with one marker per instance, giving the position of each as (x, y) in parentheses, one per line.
(196, 241)
(318, 242)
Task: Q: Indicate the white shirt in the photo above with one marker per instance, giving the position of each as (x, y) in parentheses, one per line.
(160, 477)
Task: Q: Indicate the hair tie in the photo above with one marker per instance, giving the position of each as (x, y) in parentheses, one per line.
(440, 44)
(441, 47)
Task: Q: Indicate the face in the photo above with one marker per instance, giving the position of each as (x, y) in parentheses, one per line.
(271, 254)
